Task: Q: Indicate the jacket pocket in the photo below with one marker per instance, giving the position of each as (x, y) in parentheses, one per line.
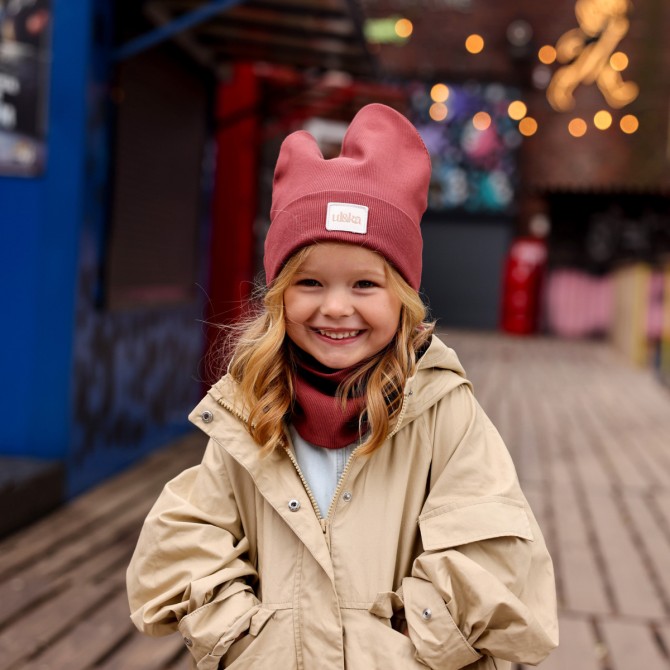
(458, 523)
(237, 649)
(209, 630)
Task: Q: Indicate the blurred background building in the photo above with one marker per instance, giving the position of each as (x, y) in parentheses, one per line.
(137, 145)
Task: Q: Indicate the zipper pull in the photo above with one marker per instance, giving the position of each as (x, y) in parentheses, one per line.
(326, 531)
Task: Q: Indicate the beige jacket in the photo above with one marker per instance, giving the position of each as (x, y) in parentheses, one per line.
(432, 526)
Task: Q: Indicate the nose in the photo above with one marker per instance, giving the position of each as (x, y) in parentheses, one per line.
(336, 303)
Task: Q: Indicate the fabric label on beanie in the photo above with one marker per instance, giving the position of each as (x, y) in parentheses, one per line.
(347, 217)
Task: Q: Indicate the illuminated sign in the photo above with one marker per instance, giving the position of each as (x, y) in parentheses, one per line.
(25, 54)
(587, 51)
(393, 29)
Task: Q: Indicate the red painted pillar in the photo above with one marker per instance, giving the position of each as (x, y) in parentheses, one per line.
(234, 199)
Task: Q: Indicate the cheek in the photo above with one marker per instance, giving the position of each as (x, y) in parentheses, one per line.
(388, 317)
(295, 308)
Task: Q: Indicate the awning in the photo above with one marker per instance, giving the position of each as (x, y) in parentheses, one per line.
(308, 35)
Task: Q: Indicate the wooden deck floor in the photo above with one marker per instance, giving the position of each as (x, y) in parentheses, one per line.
(591, 439)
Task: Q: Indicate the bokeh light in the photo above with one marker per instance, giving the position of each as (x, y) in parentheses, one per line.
(438, 111)
(629, 123)
(439, 93)
(474, 43)
(403, 28)
(517, 110)
(619, 61)
(602, 120)
(577, 127)
(547, 54)
(481, 120)
(528, 126)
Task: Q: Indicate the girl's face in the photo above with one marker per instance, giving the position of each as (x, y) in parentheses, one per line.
(339, 308)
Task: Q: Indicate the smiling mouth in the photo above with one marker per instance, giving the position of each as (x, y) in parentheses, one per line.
(339, 335)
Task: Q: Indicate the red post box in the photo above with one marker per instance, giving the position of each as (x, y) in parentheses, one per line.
(522, 285)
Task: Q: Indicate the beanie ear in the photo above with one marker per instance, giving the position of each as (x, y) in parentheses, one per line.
(298, 152)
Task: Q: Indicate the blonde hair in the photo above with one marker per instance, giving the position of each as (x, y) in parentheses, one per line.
(263, 366)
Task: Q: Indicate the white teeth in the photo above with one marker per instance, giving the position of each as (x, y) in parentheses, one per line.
(340, 335)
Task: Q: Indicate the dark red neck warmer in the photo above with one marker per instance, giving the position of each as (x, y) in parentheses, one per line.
(318, 415)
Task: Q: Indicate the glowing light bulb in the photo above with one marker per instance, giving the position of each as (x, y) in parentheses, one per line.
(602, 120)
(517, 110)
(438, 111)
(577, 127)
(404, 28)
(474, 43)
(439, 93)
(528, 126)
(547, 54)
(619, 61)
(629, 124)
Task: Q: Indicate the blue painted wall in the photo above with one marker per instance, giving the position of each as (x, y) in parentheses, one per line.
(40, 221)
(91, 388)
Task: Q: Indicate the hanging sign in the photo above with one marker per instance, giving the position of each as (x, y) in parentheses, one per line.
(587, 51)
(25, 52)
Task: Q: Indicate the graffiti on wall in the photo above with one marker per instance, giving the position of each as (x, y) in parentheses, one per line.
(135, 379)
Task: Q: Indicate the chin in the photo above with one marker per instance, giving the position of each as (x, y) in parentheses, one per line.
(338, 362)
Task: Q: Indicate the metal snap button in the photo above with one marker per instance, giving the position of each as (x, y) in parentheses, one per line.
(346, 496)
(188, 641)
(427, 614)
(206, 416)
(294, 505)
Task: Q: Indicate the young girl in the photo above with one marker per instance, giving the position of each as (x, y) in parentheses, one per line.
(355, 508)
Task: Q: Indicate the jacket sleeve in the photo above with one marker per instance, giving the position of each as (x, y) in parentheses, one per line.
(190, 570)
(484, 583)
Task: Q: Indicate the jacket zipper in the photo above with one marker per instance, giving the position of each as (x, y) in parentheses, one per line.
(231, 409)
(401, 416)
(340, 484)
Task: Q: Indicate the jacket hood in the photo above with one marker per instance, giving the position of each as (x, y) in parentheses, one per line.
(439, 372)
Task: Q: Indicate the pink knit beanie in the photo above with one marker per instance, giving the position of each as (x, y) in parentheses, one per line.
(373, 194)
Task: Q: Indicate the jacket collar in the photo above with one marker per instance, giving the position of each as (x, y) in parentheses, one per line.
(421, 392)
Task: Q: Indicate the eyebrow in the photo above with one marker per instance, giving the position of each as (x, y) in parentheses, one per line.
(357, 271)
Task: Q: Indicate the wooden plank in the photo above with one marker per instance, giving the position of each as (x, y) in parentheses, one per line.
(583, 582)
(94, 501)
(36, 589)
(141, 652)
(605, 438)
(100, 505)
(664, 635)
(184, 662)
(632, 645)
(654, 540)
(578, 649)
(47, 622)
(38, 580)
(91, 640)
(633, 588)
(662, 504)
